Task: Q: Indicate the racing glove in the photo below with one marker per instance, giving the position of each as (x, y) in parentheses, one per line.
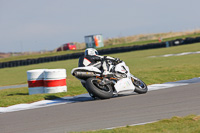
(117, 60)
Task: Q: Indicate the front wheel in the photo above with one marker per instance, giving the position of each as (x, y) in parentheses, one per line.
(97, 90)
(140, 86)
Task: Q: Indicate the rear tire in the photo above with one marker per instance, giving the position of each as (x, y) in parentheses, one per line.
(140, 86)
(101, 92)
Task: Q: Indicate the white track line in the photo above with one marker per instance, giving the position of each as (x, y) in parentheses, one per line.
(179, 54)
(131, 125)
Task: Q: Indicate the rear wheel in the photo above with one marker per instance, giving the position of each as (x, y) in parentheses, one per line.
(97, 90)
(140, 86)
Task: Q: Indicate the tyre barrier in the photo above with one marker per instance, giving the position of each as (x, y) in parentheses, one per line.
(55, 81)
(35, 81)
(46, 81)
(103, 51)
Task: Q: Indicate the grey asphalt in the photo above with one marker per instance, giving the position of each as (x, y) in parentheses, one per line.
(13, 86)
(101, 114)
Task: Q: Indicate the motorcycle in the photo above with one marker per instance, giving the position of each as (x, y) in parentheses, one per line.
(118, 81)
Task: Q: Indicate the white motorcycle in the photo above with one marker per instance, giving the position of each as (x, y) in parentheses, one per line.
(118, 81)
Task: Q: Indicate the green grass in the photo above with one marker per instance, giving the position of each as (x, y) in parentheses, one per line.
(20, 95)
(188, 124)
(150, 70)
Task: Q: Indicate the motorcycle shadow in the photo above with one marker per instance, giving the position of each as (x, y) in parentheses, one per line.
(125, 94)
(87, 97)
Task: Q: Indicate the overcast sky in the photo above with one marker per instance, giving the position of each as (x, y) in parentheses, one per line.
(34, 25)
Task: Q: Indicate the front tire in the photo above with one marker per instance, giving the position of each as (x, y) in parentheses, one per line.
(101, 92)
(140, 86)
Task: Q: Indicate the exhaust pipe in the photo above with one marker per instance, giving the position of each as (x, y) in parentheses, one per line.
(84, 74)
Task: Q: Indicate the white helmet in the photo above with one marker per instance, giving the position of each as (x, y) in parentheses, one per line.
(91, 51)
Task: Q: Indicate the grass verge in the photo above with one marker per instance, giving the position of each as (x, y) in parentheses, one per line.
(20, 95)
(150, 70)
(188, 124)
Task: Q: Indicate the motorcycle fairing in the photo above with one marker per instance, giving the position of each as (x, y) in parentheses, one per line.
(88, 68)
(122, 68)
(124, 85)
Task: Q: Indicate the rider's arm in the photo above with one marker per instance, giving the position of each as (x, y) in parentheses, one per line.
(96, 58)
(116, 60)
(106, 58)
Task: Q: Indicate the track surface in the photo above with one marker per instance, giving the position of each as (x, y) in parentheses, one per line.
(101, 114)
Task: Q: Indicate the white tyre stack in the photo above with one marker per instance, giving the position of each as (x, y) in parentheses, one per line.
(46, 81)
(55, 81)
(35, 81)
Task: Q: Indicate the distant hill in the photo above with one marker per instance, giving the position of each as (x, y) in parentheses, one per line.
(145, 37)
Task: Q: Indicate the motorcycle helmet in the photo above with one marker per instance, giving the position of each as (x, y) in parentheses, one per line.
(91, 51)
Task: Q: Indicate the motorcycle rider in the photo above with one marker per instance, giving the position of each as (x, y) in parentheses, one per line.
(92, 58)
